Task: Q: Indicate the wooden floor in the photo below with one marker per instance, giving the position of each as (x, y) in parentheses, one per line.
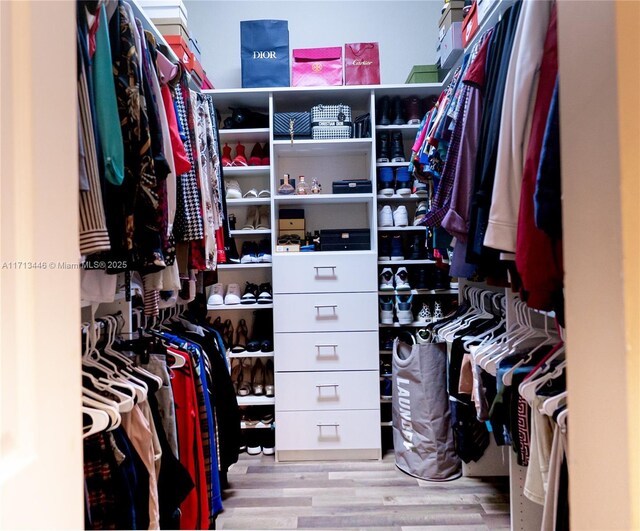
(264, 494)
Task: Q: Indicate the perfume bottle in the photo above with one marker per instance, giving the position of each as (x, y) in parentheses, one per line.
(302, 188)
(285, 186)
(316, 187)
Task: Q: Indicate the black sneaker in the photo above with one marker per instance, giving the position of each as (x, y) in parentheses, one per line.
(397, 147)
(383, 111)
(424, 278)
(441, 279)
(249, 253)
(250, 294)
(265, 294)
(397, 253)
(418, 250)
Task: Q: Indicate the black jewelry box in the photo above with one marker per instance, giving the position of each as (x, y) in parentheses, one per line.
(345, 240)
(352, 186)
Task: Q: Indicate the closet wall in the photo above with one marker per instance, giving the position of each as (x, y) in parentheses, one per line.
(405, 30)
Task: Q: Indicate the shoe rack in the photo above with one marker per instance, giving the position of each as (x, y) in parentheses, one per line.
(326, 330)
(419, 266)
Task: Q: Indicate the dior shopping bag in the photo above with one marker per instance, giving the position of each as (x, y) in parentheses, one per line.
(422, 435)
(264, 53)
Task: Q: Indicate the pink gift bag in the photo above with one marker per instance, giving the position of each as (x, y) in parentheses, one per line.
(314, 67)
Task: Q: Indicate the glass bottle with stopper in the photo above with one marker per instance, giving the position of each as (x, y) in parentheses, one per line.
(285, 186)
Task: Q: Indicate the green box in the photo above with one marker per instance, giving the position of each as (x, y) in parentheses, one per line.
(423, 74)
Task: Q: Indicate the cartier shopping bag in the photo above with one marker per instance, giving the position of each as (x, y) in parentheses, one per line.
(265, 53)
(362, 63)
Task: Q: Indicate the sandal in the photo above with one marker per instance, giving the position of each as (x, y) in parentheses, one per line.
(253, 193)
(262, 218)
(242, 333)
(236, 367)
(227, 334)
(264, 193)
(244, 383)
(252, 218)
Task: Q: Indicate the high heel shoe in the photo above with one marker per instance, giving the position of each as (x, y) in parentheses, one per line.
(257, 377)
(269, 387)
(242, 337)
(265, 161)
(256, 155)
(252, 218)
(227, 334)
(240, 159)
(236, 368)
(244, 383)
(262, 218)
(226, 156)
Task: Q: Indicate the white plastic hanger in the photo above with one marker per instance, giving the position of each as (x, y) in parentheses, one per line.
(529, 387)
(112, 411)
(551, 404)
(99, 421)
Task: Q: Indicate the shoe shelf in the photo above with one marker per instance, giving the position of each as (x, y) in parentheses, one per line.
(249, 201)
(223, 307)
(249, 232)
(396, 197)
(415, 324)
(237, 171)
(247, 354)
(405, 262)
(391, 164)
(314, 148)
(386, 352)
(260, 134)
(445, 291)
(386, 424)
(324, 198)
(402, 229)
(384, 400)
(258, 426)
(403, 127)
(252, 400)
(245, 266)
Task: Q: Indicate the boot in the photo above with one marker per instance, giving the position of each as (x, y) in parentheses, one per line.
(383, 147)
(413, 106)
(418, 250)
(383, 111)
(397, 147)
(398, 115)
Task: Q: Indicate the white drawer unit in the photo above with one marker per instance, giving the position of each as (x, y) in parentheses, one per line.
(326, 312)
(302, 435)
(340, 351)
(324, 273)
(312, 391)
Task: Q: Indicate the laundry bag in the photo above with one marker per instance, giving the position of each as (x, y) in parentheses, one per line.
(422, 435)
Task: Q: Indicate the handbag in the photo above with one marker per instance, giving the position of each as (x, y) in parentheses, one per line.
(292, 125)
(264, 53)
(362, 63)
(314, 67)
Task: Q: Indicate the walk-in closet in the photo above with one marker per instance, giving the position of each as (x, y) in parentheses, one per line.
(320, 265)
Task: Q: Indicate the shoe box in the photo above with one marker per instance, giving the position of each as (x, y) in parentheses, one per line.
(345, 239)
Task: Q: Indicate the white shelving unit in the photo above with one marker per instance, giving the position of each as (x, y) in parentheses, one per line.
(401, 229)
(247, 354)
(225, 267)
(250, 232)
(248, 201)
(237, 307)
(324, 199)
(252, 400)
(240, 171)
(404, 262)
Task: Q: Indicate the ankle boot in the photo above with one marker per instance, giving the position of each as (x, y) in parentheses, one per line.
(398, 115)
(397, 147)
(383, 111)
(255, 159)
(226, 156)
(383, 147)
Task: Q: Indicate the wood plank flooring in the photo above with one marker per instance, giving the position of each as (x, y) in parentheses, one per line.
(263, 494)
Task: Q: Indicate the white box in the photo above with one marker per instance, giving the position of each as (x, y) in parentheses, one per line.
(165, 11)
(451, 46)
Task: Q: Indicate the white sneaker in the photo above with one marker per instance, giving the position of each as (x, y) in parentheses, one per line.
(385, 217)
(402, 279)
(233, 294)
(386, 311)
(268, 450)
(216, 295)
(425, 314)
(254, 450)
(233, 189)
(403, 309)
(386, 279)
(437, 311)
(400, 216)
